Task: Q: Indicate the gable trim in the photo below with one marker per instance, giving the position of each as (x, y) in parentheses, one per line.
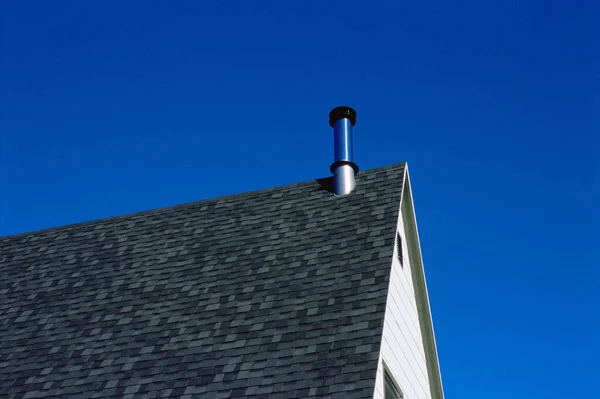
(422, 299)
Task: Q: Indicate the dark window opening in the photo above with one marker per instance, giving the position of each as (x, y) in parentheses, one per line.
(391, 390)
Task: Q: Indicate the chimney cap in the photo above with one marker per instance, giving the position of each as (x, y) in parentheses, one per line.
(342, 112)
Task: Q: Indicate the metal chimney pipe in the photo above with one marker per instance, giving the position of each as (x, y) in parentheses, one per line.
(342, 119)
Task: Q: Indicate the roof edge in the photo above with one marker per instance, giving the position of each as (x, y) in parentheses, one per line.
(422, 298)
(181, 205)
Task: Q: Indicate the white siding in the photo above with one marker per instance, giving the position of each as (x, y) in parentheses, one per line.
(402, 344)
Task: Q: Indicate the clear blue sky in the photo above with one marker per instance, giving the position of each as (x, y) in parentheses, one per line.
(107, 109)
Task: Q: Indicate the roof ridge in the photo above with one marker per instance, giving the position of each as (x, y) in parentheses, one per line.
(188, 204)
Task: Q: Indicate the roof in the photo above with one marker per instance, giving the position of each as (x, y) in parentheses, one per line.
(277, 293)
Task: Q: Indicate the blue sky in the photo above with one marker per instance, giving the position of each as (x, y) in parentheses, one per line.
(110, 108)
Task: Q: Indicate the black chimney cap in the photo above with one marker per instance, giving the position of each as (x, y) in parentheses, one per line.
(342, 112)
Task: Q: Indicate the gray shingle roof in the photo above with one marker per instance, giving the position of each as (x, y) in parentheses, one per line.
(278, 293)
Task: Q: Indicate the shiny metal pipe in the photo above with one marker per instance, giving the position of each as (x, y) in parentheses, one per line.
(343, 179)
(342, 140)
(342, 119)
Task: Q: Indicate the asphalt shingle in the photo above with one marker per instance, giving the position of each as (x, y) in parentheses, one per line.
(274, 293)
